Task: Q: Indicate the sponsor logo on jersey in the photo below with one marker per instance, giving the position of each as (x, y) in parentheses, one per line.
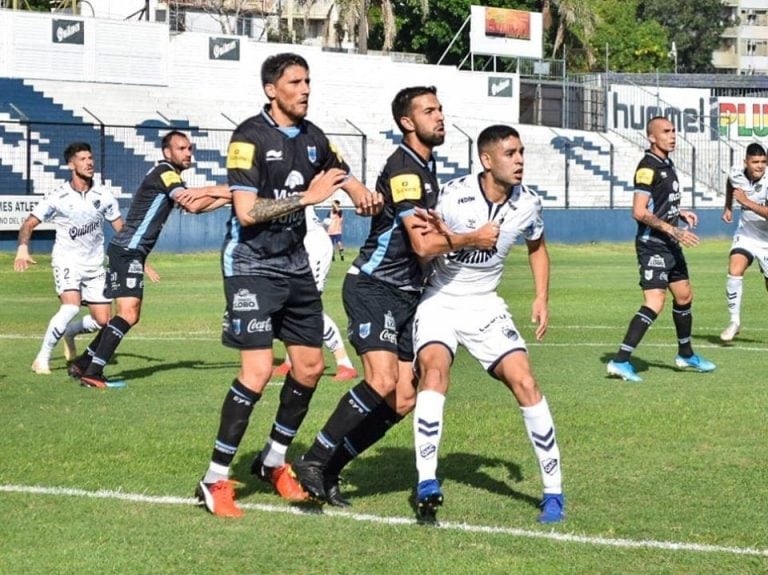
(648, 275)
(135, 267)
(312, 153)
(274, 155)
(490, 324)
(240, 155)
(245, 301)
(656, 261)
(405, 187)
(663, 276)
(389, 336)
(337, 153)
(364, 329)
(472, 256)
(389, 321)
(427, 450)
(294, 180)
(97, 203)
(84, 230)
(259, 326)
(549, 466)
(466, 199)
(169, 178)
(236, 326)
(644, 176)
(130, 283)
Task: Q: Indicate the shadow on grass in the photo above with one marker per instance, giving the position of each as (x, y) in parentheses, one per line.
(158, 365)
(640, 364)
(392, 470)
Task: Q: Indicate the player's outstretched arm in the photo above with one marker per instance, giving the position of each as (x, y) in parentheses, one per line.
(740, 196)
(204, 199)
(431, 237)
(23, 259)
(366, 203)
(538, 259)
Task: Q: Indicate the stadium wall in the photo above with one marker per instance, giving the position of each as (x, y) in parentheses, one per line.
(187, 233)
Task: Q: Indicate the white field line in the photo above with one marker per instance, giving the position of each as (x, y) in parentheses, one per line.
(368, 518)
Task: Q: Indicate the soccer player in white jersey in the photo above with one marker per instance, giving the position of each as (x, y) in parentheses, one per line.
(320, 253)
(78, 210)
(748, 185)
(460, 306)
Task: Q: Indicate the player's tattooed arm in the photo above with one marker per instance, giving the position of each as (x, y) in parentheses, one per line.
(264, 210)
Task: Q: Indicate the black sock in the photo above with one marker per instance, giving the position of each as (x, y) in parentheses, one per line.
(681, 315)
(368, 432)
(341, 254)
(353, 407)
(235, 414)
(294, 404)
(109, 338)
(640, 323)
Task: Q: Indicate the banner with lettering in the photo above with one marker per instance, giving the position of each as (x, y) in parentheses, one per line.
(223, 48)
(15, 209)
(68, 31)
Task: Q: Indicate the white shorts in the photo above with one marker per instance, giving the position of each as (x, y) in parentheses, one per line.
(481, 323)
(88, 281)
(320, 251)
(758, 249)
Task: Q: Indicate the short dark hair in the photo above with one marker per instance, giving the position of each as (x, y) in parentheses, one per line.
(74, 148)
(493, 134)
(755, 149)
(274, 66)
(166, 142)
(401, 105)
(651, 121)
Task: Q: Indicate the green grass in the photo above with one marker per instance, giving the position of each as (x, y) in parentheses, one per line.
(676, 459)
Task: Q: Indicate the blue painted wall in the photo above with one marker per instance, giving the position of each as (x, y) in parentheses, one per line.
(194, 233)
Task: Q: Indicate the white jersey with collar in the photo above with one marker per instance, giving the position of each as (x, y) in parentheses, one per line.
(464, 208)
(78, 218)
(751, 224)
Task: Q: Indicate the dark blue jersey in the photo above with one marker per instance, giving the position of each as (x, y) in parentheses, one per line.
(273, 163)
(150, 208)
(406, 182)
(657, 178)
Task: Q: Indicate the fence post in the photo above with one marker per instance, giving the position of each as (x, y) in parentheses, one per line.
(611, 177)
(29, 157)
(693, 176)
(567, 176)
(364, 151)
(102, 145)
(470, 142)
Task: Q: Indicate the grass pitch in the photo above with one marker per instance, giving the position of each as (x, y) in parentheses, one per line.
(666, 476)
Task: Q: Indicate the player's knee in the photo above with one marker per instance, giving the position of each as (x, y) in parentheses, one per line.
(526, 391)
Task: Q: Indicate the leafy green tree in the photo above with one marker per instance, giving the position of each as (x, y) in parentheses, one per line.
(627, 44)
(695, 26)
(574, 23)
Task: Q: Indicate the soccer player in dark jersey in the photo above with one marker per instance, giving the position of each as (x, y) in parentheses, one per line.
(161, 190)
(278, 163)
(658, 245)
(381, 292)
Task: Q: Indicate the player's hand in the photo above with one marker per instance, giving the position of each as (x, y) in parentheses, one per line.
(323, 185)
(727, 216)
(23, 259)
(369, 204)
(685, 237)
(690, 218)
(540, 317)
(151, 273)
(429, 221)
(486, 236)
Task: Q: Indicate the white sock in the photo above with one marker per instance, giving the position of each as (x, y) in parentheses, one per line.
(273, 454)
(427, 431)
(331, 334)
(85, 324)
(734, 287)
(216, 473)
(56, 328)
(541, 432)
(345, 362)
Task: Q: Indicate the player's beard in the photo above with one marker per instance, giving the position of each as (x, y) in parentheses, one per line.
(430, 139)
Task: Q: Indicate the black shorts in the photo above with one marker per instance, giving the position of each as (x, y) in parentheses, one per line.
(261, 309)
(380, 316)
(660, 264)
(125, 273)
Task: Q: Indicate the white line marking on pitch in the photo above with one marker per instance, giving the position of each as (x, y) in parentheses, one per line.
(363, 517)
